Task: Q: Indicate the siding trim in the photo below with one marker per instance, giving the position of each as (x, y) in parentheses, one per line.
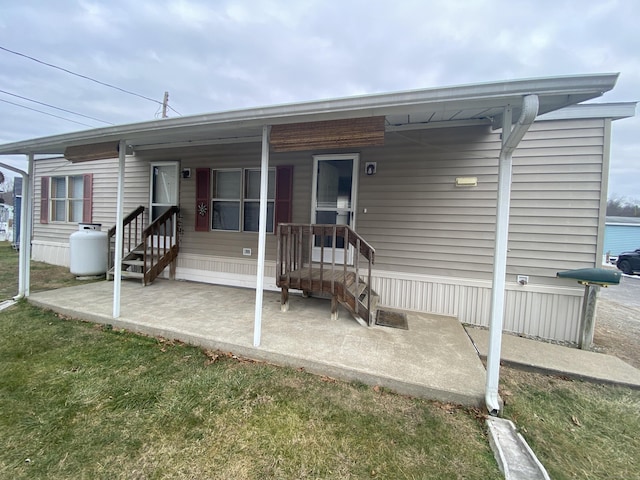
(604, 187)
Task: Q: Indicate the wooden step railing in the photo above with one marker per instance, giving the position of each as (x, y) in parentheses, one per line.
(151, 248)
(161, 245)
(132, 232)
(348, 281)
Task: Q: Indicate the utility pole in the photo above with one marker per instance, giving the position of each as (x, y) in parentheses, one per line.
(165, 102)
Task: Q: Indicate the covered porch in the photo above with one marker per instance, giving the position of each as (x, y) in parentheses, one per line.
(434, 358)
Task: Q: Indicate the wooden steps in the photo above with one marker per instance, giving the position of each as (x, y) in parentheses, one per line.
(353, 295)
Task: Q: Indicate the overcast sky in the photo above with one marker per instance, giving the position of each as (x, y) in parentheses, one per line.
(220, 55)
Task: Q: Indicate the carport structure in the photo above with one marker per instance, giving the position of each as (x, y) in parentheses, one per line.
(511, 106)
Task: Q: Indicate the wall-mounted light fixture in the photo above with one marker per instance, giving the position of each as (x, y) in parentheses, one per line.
(466, 181)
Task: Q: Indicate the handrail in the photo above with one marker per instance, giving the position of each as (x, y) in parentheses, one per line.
(131, 234)
(127, 220)
(297, 268)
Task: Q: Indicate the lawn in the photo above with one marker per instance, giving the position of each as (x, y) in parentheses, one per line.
(85, 401)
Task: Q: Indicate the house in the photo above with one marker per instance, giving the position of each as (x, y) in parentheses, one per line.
(461, 201)
(621, 234)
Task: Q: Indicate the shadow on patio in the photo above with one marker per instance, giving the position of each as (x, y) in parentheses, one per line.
(433, 359)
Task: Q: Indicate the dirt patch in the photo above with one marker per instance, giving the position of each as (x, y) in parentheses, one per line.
(617, 331)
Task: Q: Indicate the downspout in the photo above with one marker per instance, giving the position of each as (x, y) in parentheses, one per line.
(25, 236)
(510, 140)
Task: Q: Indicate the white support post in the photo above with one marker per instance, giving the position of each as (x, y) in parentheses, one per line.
(262, 235)
(117, 262)
(28, 225)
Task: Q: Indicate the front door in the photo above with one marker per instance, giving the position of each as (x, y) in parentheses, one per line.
(333, 201)
(164, 187)
(164, 191)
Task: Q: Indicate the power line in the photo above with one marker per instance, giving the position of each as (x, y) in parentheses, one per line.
(46, 113)
(85, 77)
(57, 108)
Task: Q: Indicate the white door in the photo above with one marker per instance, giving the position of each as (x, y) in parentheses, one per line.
(164, 189)
(333, 201)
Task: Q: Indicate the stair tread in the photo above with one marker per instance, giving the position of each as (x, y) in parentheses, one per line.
(128, 274)
(136, 263)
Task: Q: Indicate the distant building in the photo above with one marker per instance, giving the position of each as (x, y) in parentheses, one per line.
(621, 234)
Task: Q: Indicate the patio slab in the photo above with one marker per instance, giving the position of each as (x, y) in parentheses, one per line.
(433, 359)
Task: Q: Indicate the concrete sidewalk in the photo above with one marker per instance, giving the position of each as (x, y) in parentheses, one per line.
(433, 359)
(557, 359)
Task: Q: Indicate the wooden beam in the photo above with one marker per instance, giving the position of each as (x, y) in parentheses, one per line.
(355, 132)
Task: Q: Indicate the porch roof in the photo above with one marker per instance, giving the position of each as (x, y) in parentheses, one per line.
(464, 104)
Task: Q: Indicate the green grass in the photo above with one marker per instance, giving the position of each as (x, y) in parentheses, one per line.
(84, 401)
(43, 276)
(81, 401)
(577, 429)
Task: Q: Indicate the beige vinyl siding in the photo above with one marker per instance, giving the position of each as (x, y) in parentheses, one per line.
(556, 198)
(105, 178)
(416, 219)
(420, 223)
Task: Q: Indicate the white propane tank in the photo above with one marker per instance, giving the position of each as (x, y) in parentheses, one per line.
(88, 250)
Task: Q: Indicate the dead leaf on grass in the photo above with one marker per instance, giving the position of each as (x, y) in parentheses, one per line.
(575, 421)
(212, 357)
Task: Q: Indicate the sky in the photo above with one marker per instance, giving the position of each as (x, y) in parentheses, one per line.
(218, 55)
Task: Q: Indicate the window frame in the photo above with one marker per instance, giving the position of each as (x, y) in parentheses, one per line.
(68, 199)
(214, 199)
(243, 199)
(270, 199)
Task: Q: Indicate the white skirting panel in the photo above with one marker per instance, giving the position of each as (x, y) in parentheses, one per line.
(534, 310)
(236, 272)
(50, 252)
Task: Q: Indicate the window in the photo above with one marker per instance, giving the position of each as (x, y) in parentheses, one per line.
(66, 199)
(236, 200)
(252, 200)
(229, 199)
(226, 200)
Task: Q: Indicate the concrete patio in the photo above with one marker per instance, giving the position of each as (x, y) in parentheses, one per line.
(434, 358)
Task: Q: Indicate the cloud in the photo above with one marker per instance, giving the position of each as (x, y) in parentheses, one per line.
(229, 54)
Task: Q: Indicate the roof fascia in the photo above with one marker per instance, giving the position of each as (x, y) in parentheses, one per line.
(589, 86)
(614, 111)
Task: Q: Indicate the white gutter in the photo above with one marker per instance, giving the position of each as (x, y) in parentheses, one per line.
(25, 236)
(510, 140)
(262, 235)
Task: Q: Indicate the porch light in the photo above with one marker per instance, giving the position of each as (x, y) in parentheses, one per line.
(466, 181)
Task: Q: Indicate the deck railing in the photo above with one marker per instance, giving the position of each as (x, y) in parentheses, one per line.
(307, 259)
(132, 232)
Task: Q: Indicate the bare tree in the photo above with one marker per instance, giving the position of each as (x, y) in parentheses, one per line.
(623, 207)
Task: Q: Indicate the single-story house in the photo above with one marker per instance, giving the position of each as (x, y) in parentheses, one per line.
(621, 234)
(461, 201)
